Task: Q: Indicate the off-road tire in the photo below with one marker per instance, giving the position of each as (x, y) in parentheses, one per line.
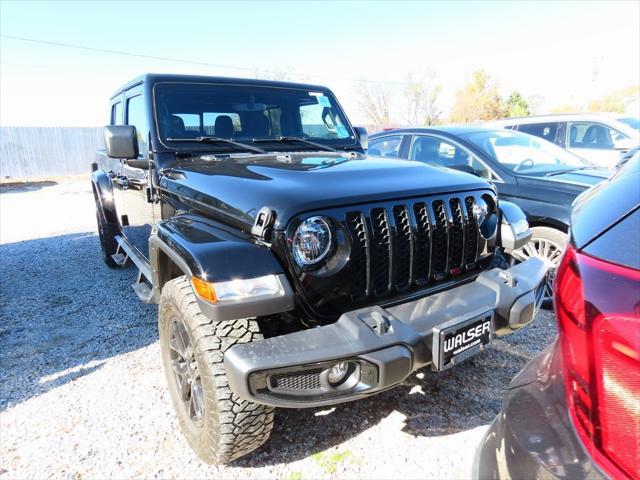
(107, 234)
(231, 427)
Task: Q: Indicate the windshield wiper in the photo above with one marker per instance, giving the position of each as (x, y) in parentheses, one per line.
(566, 170)
(238, 145)
(294, 139)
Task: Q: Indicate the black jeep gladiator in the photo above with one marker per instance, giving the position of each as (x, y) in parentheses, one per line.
(290, 268)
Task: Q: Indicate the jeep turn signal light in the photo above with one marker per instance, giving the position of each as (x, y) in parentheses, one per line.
(238, 290)
(204, 290)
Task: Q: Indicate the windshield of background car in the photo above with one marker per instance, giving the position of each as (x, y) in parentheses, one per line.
(524, 154)
(633, 122)
(247, 112)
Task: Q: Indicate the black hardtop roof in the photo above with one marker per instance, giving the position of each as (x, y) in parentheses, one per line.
(152, 78)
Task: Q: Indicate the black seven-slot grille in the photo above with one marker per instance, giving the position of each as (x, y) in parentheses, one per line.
(411, 244)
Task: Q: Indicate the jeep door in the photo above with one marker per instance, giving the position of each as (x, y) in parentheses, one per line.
(135, 211)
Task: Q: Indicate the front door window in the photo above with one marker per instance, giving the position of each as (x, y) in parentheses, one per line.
(440, 153)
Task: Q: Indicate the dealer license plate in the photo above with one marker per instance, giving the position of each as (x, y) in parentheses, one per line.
(455, 340)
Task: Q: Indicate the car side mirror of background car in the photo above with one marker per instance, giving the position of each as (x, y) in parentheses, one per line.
(465, 169)
(624, 144)
(514, 228)
(120, 141)
(363, 137)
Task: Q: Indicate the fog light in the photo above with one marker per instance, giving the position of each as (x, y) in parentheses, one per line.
(338, 372)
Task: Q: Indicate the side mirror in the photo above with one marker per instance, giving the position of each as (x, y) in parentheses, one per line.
(364, 137)
(465, 169)
(624, 144)
(514, 229)
(120, 141)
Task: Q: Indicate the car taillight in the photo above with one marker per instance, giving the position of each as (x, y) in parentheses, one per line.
(598, 311)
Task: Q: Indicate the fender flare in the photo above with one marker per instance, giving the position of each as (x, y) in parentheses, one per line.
(543, 221)
(103, 195)
(546, 214)
(208, 251)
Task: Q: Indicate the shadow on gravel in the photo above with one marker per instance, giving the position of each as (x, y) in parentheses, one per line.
(58, 317)
(431, 404)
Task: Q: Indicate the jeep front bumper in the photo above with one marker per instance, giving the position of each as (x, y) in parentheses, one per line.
(379, 347)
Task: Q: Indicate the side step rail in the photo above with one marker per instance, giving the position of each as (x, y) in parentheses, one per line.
(120, 257)
(142, 286)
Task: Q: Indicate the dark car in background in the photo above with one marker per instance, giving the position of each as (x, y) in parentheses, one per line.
(538, 176)
(574, 411)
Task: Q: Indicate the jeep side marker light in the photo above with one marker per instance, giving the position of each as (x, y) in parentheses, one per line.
(204, 289)
(239, 289)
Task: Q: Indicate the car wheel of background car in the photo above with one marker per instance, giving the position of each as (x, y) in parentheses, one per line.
(107, 233)
(218, 426)
(548, 244)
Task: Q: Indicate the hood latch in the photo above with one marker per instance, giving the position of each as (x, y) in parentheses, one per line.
(263, 223)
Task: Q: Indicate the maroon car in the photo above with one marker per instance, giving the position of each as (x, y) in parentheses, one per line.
(574, 411)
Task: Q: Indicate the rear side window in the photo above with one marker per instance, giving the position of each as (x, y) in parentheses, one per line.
(136, 116)
(592, 135)
(385, 146)
(116, 114)
(547, 131)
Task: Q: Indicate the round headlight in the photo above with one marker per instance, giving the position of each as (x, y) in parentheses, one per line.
(311, 241)
(484, 209)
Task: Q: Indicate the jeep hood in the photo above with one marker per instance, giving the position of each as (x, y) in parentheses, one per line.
(296, 183)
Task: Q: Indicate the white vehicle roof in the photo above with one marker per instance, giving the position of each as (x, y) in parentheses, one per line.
(606, 117)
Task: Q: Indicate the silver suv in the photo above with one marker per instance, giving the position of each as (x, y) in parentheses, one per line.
(597, 137)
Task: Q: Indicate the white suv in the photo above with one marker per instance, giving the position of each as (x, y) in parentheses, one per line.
(597, 137)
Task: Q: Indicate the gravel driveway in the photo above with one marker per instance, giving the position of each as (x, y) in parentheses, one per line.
(83, 392)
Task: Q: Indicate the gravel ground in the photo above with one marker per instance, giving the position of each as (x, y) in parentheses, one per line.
(83, 392)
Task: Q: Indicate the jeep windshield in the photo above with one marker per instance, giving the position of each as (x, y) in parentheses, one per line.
(272, 118)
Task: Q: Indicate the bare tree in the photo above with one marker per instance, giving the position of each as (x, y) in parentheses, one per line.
(535, 102)
(374, 100)
(421, 100)
(272, 74)
(431, 111)
(413, 99)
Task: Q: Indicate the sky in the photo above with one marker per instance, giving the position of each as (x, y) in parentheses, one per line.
(564, 52)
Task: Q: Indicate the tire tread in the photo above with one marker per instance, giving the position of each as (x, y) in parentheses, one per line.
(238, 426)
